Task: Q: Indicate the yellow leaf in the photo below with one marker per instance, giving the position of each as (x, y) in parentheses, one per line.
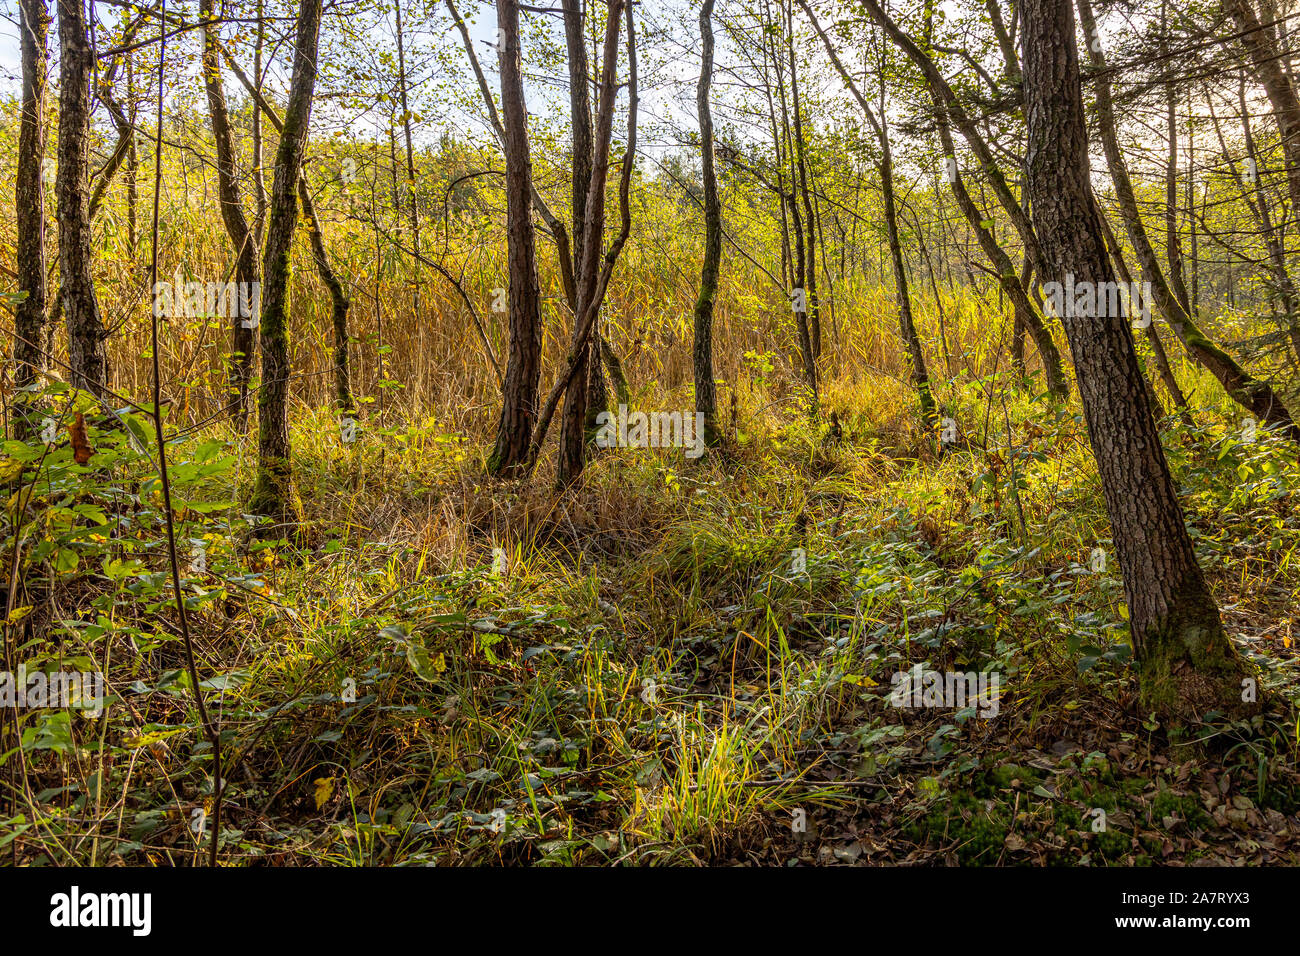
(440, 663)
(861, 680)
(10, 469)
(324, 790)
(17, 614)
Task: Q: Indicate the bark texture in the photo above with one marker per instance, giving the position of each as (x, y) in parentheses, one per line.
(86, 348)
(524, 362)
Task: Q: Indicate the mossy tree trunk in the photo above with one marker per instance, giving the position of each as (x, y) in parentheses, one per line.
(274, 470)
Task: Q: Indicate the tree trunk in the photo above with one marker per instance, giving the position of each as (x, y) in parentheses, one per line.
(592, 290)
(920, 376)
(799, 263)
(29, 205)
(274, 468)
(132, 161)
(706, 396)
(524, 364)
(1187, 665)
(86, 353)
(965, 125)
(1261, 207)
(413, 209)
(339, 304)
(259, 182)
(809, 220)
(125, 137)
(1152, 330)
(243, 329)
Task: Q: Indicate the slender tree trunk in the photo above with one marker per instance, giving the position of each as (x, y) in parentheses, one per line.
(706, 397)
(1187, 665)
(799, 265)
(1261, 208)
(243, 330)
(558, 233)
(125, 138)
(605, 267)
(132, 161)
(29, 204)
(965, 125)
(920, 377)
(259, 182)
(524, 364)
(938, 303)
(274, 468)
(771, 62)
(1026, 317)
(1193, 245)
(1173, 244)
(1152, 330)
(801, 168)
(339, 304)
(413, 209)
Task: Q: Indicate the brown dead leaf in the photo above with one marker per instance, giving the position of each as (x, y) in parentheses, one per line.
(81, 450)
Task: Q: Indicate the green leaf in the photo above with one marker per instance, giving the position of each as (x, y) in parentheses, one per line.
(66, 560)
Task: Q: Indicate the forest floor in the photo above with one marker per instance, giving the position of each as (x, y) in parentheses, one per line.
(676, 662)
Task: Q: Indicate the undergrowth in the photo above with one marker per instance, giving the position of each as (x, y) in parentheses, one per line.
(676, 662)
